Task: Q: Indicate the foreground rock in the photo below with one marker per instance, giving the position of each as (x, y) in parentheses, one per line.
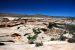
(59, 46)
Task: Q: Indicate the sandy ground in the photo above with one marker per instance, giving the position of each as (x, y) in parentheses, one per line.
(58, 46)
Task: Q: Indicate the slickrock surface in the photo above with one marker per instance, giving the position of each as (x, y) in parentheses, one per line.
(52, 33)
(64, 46)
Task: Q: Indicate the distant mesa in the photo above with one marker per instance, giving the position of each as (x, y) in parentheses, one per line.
(26, 15)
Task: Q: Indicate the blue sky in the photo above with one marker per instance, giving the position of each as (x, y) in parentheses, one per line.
(46, 7)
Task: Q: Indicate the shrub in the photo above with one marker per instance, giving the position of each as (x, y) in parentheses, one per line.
(52, 39)
(39, 44)
(71, 41)
(32, 39)
(36, 31)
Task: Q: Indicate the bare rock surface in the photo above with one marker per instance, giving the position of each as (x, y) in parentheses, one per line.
(64, 46)
(20, 26)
